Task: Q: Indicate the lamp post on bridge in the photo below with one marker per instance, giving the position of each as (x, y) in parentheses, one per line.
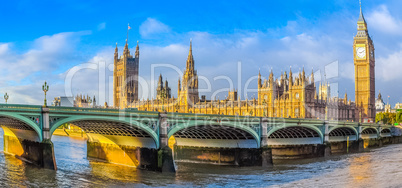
(6, 97)
(45, 89)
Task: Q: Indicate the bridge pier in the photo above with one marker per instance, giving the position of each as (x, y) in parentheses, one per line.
(342, 147)
(37, 153)
(165, 153)
(300, 151)
(221, 156)
(27, 144)
(266, 151)
(142, 158)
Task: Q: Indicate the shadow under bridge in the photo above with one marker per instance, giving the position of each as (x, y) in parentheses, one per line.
(215, 134)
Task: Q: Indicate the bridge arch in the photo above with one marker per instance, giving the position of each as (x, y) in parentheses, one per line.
(28, 123)
(341, 133)
(369, 132)
(221, 131)
(386, 132)
(295, 135)
(124, 124)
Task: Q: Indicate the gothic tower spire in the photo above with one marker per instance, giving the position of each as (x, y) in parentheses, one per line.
(361, 23)
(190, 59)
(116, 53)
(137, 51)
(312, 75)
(259, 79)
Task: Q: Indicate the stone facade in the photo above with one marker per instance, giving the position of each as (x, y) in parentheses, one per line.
(83, 101)
(163, 91)
(125, 77)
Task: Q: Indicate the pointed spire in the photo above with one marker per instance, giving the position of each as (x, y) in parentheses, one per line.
(361, 17)
(178, 86)
(312, 75)
(137, 51)
(259, 79)
(346, 96)
(290, 76)
(160, 83)
(190, 59)
(116, 54)
(379, 95)
(126, 50)
(191, 46)
(361, 24)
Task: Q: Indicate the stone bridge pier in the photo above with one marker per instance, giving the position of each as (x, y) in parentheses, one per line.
(28, 138)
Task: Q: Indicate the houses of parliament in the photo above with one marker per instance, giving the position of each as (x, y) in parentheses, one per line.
(292, 95)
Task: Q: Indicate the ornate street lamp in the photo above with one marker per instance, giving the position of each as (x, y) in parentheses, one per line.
(6, 97)
(45, 89)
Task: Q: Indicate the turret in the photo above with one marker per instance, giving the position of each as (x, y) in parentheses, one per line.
(137, 51)
(178, 85)
(312, 76)
(116, 54)
(259, 79)
(126, 51)
(290, 76)
(160, 83)
(346, 97)
(271, 78)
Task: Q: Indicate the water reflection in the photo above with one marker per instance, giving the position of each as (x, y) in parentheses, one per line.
(360, 170)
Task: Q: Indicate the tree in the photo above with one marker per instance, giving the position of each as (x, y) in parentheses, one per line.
(399, 117)
(379, 117)
(386, 118)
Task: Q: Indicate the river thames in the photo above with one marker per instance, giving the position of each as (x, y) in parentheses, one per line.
(379, 167)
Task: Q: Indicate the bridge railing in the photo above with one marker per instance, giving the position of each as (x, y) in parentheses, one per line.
(19, 107)
(59, 109)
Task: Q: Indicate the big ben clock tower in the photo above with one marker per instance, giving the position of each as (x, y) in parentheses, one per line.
(364, 61)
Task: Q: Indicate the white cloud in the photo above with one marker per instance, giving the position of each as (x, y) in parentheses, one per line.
(151, 27)
(389, 68)
(102, 26)
(382, 20)
(26, 71)
(4, 48)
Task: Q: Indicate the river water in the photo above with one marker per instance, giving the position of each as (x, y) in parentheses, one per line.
(380, 167)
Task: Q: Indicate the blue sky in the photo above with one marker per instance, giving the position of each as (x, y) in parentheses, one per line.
(44, 40)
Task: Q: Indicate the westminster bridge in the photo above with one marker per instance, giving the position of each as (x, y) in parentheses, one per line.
(141, 138)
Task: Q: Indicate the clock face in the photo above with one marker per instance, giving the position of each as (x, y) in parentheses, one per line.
(361, 52)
